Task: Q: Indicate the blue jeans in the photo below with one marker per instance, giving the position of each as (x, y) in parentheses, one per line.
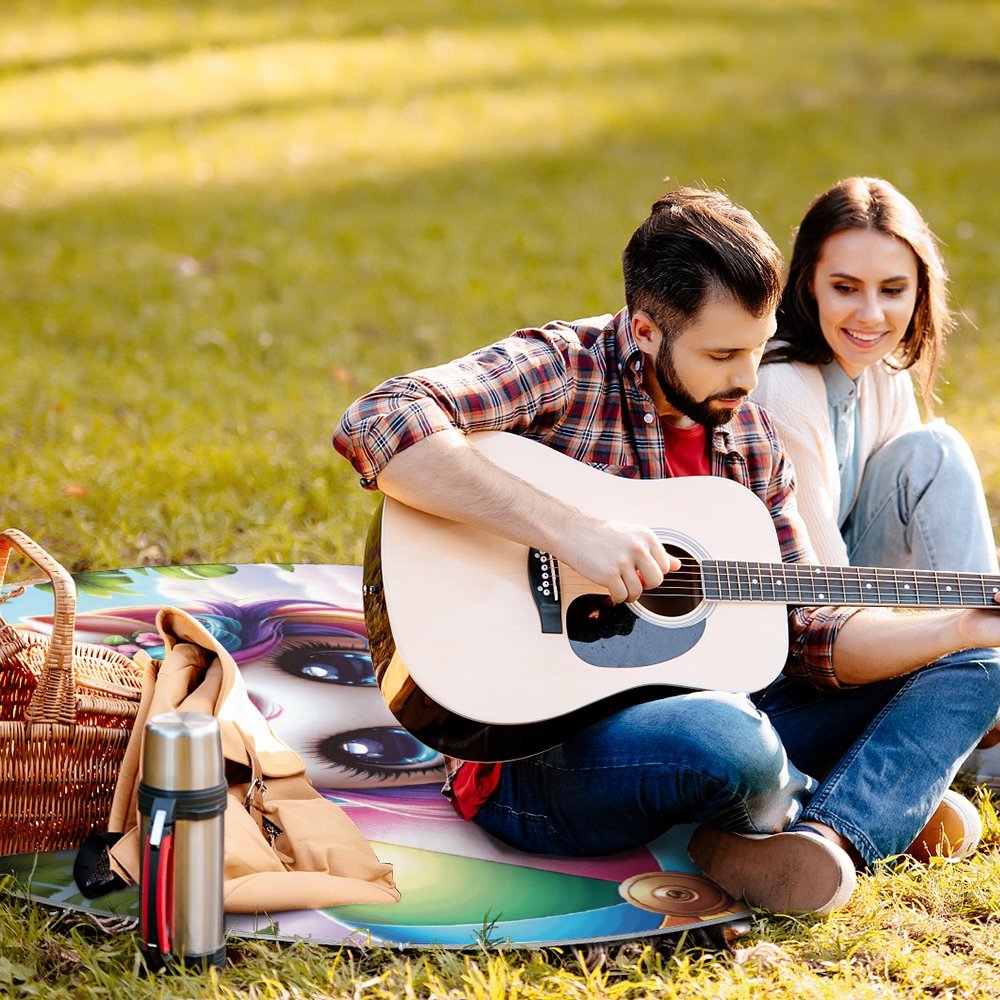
(706, 757)
(884, 753)
(921, 506)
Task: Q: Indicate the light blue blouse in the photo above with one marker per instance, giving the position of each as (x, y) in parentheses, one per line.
(842, 402)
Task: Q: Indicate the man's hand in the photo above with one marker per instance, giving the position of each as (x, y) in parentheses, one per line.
(624, 558)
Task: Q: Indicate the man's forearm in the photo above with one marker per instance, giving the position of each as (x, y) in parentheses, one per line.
(444, 475)
(878, 643)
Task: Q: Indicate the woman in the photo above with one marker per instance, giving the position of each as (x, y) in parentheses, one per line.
(864, 306)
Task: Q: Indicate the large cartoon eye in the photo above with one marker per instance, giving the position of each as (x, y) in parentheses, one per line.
(378, 751)
(326, 661)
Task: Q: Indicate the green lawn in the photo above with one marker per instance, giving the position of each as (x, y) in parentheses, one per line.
(221, 221)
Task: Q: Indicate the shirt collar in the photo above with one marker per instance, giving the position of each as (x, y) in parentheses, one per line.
(632, 360)
(722, 440)
(630, 356)
(840, 387)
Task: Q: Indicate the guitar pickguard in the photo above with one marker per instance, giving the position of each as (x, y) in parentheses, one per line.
(613, 635)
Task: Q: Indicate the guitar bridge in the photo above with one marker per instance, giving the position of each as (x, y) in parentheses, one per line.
(543, 578)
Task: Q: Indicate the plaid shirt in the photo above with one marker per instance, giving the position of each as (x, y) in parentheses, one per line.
(577, 387)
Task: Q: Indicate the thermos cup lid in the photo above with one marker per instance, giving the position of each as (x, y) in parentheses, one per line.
(182, 752)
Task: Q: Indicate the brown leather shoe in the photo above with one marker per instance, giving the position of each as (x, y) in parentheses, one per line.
(953, 832)
(788, 872)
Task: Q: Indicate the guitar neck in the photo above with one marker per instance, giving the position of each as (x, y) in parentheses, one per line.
(801, 583)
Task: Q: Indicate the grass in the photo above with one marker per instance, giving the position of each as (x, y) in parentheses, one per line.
(908, 932)
(221, 221)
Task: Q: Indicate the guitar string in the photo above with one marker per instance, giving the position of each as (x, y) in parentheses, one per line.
(688, 581)
(809, 571)
(810, 582)
(833, 599)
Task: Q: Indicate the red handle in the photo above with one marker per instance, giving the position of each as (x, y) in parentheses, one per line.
(156, 902)
(165, 894)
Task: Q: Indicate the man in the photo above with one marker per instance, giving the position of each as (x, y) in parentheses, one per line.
(852, 749)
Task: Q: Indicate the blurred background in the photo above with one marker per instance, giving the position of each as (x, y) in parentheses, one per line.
(222, 221)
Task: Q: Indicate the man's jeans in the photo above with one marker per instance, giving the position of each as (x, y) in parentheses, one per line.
(695, 756)
(884, 754)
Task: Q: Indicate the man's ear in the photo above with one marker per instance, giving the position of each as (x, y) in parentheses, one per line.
(646, 333)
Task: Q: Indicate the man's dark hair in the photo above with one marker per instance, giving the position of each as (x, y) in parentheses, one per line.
(694, 244)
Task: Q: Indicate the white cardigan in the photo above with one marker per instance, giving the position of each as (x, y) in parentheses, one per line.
(794, 395)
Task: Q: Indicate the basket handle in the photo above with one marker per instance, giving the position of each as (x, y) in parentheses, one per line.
(54, 700)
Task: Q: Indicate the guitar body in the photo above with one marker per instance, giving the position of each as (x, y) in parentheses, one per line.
(475, 663)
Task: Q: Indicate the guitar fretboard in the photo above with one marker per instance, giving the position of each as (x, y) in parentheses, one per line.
(794, 583)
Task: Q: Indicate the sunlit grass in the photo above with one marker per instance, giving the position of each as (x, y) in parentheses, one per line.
(912, 932)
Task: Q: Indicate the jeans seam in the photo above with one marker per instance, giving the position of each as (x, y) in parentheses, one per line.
(540, 819)
(815, 809)
(926, 538)
(893, 497)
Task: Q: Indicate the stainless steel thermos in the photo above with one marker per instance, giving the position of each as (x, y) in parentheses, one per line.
(182, 799)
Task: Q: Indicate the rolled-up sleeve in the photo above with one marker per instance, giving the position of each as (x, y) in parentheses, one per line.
(812, 632)
(515, 384)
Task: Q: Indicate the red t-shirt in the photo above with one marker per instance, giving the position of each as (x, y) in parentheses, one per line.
(686, 455)
(686, 450)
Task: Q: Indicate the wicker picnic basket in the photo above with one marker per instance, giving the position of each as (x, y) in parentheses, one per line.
(66, 711)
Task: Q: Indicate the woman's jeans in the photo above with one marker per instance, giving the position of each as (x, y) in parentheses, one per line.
(884, 753)
(921, 506)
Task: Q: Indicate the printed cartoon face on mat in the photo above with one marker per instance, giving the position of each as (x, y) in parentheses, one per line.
(307, 668)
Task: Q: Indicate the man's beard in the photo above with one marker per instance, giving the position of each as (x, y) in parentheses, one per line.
(680, 399)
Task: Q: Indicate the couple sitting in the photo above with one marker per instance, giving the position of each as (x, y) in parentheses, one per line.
(847, 758)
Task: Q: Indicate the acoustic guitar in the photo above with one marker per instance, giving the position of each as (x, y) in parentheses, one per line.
(489, 650)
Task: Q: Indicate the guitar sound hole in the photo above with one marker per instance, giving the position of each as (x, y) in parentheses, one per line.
(680, 593)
